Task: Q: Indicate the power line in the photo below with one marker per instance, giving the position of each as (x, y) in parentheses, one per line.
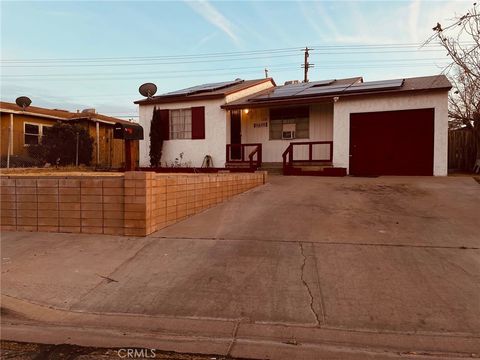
(204, 59)
(214, 73)
(152, 72)
(337, 62)
(236, 53)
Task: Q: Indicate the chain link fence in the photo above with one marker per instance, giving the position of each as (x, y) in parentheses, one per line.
(22, 149)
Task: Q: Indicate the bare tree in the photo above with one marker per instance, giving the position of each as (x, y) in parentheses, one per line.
(461, 40)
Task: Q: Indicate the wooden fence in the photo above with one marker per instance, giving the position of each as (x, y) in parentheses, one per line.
(462, 150)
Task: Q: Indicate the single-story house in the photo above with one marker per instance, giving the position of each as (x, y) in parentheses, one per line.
(28, 128)
(390, 127)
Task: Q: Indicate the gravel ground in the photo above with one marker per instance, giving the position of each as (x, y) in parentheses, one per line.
(28, 351)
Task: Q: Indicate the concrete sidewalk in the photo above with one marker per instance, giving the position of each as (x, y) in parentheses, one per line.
(299, 268)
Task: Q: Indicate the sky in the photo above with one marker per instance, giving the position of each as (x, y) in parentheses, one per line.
(95, 54)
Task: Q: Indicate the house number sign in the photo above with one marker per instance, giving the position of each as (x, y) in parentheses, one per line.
(263, 124)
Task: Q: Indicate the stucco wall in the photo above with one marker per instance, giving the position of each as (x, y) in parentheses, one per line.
(194, 151)
(321, 129)
(346, 106)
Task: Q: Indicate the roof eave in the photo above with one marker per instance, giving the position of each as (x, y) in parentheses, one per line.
(27, 113)
(175, 99)
(326, 98)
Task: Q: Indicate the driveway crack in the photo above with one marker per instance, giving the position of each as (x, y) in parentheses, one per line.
(312, 309)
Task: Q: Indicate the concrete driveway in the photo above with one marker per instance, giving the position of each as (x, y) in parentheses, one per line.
(301, 267)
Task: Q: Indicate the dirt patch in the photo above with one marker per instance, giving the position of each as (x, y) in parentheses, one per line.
(62, 171)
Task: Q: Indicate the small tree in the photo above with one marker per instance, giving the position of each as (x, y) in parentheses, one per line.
(59, 145)
(461, 40)
(156, 139)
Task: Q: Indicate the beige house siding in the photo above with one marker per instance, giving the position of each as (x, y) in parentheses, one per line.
(320, 129)
(19, 121)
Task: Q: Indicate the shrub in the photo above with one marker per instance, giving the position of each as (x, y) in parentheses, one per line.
(156, 139)
(59, 145)
(20, 161)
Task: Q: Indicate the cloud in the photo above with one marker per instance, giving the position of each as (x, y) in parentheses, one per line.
(213, 16)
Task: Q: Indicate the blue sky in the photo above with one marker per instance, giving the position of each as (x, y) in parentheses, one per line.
(82, 54)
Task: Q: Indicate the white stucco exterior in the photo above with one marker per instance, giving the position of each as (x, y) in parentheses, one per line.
(195, 150)
(328, 122)
(349, 105)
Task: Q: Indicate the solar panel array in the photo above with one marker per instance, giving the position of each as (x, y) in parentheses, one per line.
(327, 87)
(204, 88)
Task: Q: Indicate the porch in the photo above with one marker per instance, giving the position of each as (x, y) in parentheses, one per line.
(291, 140)
(313, 158)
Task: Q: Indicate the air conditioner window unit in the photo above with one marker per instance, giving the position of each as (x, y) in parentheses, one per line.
(288, 131)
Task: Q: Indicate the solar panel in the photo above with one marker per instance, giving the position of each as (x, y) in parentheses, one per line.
(323, 90)
(375, 85)
(291, 90)
(204, 88)
(327, 87)
(280, 92)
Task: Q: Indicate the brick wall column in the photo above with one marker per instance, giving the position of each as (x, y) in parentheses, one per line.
(138, 203)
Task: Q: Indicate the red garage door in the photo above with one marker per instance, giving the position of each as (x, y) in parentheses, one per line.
(392, 143)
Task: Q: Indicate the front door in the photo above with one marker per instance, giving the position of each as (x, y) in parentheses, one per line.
(235, 135)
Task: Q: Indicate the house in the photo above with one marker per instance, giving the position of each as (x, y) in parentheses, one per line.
(29, 125)
(197, 124)
(330, 127)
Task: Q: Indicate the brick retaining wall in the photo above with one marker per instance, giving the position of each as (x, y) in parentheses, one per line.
(136, 203)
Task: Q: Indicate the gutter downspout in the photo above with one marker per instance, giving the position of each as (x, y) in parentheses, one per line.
(98, 141)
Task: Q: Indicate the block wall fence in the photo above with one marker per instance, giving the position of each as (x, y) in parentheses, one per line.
(132, 204)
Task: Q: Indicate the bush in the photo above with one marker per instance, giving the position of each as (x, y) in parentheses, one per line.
(20, 161)
(156, 139)
(59, 145)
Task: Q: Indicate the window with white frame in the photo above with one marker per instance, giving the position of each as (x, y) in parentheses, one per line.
(180, 124)
(32, 133)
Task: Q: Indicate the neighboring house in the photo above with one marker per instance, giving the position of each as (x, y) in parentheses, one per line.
(29, 125)
(392, 127)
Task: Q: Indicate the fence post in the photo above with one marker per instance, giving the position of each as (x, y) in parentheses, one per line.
(76, 152)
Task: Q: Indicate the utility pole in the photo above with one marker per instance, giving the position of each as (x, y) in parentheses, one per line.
(266, 73)
(306, 65)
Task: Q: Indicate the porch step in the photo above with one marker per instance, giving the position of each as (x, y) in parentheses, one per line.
(322, 164)
(272, 168)
(313, 171)
(237, 165)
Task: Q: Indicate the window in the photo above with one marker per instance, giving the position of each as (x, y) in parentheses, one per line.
(180, 124)
(289, 123)
(33, 133)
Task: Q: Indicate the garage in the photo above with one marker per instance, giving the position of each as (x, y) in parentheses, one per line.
(392, 142)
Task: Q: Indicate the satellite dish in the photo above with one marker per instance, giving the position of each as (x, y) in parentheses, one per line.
(23, 102)
(148, 89)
